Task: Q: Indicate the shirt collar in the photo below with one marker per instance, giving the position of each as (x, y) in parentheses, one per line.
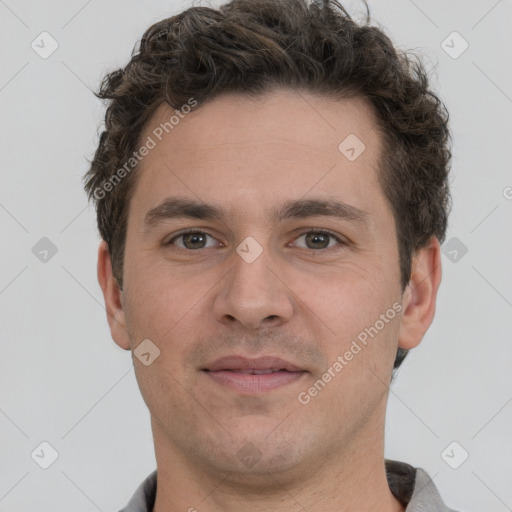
(412, 487)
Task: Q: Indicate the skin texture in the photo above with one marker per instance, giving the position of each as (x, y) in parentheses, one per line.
(298, 301)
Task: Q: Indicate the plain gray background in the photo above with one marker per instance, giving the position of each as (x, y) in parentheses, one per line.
(65, 382)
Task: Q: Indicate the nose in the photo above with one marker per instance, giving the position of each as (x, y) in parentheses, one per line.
(254, 294)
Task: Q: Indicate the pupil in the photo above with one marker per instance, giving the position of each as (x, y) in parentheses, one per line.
(314, 237)
(196, 240)
(193, 239)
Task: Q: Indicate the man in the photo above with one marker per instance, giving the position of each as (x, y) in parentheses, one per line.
(271, 190)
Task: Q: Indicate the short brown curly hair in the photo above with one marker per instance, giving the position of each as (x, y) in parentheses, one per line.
(252, 47)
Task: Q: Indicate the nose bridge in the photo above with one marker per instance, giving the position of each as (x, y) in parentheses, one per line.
(252, 294)
(250, 274)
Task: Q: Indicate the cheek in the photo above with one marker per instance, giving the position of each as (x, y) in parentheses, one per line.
(347, 298)
(169, 310)
(157, 300)
(353, 315)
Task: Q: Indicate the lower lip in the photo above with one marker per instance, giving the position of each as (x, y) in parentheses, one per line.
(251, 383)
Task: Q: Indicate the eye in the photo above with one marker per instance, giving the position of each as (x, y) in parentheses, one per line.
(315, 239)
(318, 239)
(191, 240)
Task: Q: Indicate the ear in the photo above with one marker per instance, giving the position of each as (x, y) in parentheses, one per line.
(419, 300)
(113, 298)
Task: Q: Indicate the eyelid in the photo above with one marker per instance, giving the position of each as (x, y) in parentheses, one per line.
(341, 240)
(187, 232)
(337, 237)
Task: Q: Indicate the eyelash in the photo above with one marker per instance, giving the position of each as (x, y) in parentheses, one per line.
(305, 232)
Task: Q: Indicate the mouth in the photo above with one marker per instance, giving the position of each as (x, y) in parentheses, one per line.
(253, 375)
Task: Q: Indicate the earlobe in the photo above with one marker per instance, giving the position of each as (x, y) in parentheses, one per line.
(419, 299)
(113, 297)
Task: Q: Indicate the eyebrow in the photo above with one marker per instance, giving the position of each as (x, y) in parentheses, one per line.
(176, 207)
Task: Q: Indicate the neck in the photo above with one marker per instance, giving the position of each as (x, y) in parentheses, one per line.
(343, 481)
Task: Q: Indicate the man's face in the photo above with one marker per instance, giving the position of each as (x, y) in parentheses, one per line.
(255, 284)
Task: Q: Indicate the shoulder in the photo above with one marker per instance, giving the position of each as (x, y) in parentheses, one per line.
(143, 499)
(414, 488)
(426, 496)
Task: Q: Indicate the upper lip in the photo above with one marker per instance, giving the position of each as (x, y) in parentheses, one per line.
(243, 363)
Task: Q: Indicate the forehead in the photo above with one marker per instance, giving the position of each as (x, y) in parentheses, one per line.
(249, 151)
(309, 121)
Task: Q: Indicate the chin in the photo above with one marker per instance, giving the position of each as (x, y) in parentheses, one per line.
(251, 459)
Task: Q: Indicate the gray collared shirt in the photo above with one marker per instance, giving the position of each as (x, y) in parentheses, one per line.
(411, 486)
